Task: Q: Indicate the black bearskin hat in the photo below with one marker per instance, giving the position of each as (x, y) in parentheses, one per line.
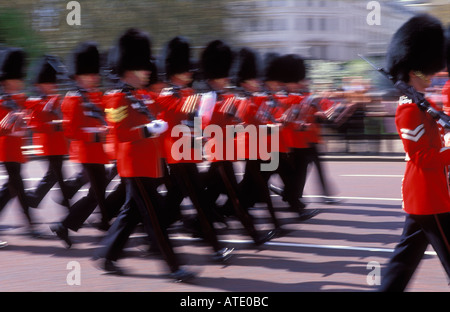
(85, 59)
(248, 65)
(12, 64)
(292, 68)
(417, 45)
(447, 49)
(177, 56)
(273, 70)
(48, 69)
(133, 51)
(216, 60)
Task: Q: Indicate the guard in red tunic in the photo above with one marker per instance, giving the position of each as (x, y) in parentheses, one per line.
(138, 155)
(45, 120)
(415, 53)
(85, 126)
(254, 148)
(12, 129)
(179, 104)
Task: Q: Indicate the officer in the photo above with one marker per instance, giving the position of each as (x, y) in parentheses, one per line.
(45, 120)
(138, 155)
(85, 126)
(415, 53)
(12, 129)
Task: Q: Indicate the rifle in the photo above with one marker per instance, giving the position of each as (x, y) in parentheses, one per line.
(417, 97)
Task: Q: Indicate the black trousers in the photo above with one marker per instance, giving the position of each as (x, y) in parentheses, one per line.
(84, 207)
(14, 187)
(313, 157)
(418, 232)
(142, 204)
(186, 181)
(54, 174)
(254, 188)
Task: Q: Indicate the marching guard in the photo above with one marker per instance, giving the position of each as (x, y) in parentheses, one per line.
(45, 121)
(85, 126)
(415, 53)
(12, 129)
(138, 156)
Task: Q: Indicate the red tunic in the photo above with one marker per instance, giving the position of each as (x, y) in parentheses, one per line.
(296, 138)
(257, 144)
(425, 185)
(446, 97)
(222, 143)
(78, 128)
(46, 134)
(175, 107)
(137, 155)
(11, 142)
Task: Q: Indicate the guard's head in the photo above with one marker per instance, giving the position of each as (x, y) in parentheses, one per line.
(12, 64)
(216, 60)
(178, 57)
(248, 66)
(133, 52)
(416, 47)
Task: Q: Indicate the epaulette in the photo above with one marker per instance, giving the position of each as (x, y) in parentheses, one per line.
(73, 93)
(166, 91)
(113, 91)
(404, 100)
(259, 94)
(34, 98)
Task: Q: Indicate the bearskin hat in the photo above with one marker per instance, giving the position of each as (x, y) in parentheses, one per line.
(85, 59)
(248, 65)
(177, 56)
(12, 64)
(273, 70)
(447, 49)
(417, 45)
(48, 69)
(292, 67)
(133, 52)
(216, 60)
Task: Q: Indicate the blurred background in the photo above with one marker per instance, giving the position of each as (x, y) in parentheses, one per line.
(329, 34)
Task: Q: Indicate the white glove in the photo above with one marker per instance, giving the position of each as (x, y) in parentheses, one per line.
(157, 126)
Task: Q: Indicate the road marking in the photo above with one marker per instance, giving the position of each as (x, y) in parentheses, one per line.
(295, 245)
(374, 175)
(348, 197)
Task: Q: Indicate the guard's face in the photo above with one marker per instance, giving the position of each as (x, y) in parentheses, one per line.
(142, 77)
(88, 81)
(419, 80)
(47, 88)
(13, 85)
(252, 85)
(183, 79)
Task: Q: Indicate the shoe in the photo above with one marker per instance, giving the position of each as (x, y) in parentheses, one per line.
(62, 232)
(3, 243)
(222, 255)
(277, 190)
(265, 238)
(110, 267)
(331, 201)
(182, 275)
(308, 214)
(33, 233)
(103, 226)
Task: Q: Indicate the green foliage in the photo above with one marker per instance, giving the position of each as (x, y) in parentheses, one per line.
(16, 31)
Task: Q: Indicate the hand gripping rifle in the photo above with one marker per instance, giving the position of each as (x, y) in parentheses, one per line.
(417, 97)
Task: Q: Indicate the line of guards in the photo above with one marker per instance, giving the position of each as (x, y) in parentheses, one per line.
(130, 127)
